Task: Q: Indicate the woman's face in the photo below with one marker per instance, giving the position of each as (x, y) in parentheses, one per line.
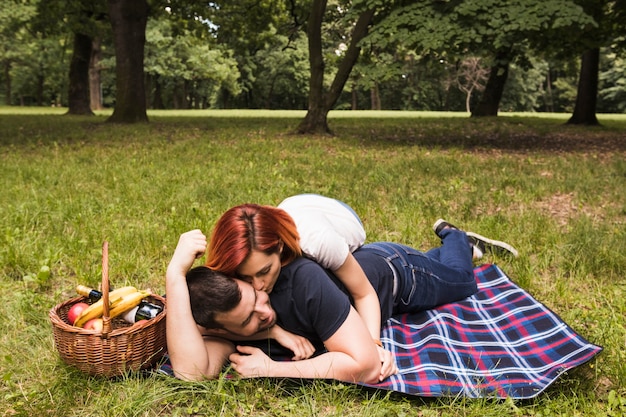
(261, 270)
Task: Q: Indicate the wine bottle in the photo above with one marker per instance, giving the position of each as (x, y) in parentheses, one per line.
(144, 311)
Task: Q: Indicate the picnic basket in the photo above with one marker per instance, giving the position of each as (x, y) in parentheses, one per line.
(120, 347)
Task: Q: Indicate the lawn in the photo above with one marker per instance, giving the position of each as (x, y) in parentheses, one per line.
(556, 192)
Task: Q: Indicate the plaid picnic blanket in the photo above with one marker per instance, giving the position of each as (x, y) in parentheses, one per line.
(499, 343)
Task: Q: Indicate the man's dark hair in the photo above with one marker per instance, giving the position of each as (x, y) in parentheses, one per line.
(211, 292)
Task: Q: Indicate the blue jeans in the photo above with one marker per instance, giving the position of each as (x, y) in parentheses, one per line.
(426, 280)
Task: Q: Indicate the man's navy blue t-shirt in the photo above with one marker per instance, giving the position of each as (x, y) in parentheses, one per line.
(311, 302)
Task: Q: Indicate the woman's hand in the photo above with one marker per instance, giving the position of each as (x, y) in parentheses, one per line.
(250, 362)
(388, 362)
(301, 347)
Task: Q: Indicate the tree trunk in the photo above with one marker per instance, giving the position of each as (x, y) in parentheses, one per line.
(78, 93)
(128, 21)
(186, 95)
(95, 82)
(320, 103)
(40, 84)
(468, 100)
(157, 98)
(315, 119)
(548, 97)
(7, 83)
(587, 96)
(375, 97)
(490, 100)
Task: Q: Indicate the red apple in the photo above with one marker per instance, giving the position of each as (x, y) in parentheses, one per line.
(75, 311)
(94, 324)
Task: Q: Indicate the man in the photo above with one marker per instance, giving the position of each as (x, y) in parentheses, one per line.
(308, 302)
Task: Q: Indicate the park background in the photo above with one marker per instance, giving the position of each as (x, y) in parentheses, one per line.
(244, 116)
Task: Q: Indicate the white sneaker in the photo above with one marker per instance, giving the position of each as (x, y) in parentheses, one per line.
(480, 244)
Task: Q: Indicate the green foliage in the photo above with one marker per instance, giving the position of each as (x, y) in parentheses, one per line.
(253, 54)
(180, 60)
(478, 25)
(612, 92)
(525, 90)
(554, 191)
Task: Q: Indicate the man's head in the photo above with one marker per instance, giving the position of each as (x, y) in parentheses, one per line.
(221, 302)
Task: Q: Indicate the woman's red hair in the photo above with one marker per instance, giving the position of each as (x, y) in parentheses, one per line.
(249, 227)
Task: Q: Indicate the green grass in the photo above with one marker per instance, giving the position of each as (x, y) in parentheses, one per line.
(556, 192)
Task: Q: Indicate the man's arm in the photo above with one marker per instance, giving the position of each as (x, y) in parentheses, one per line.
(193, 356)
(351, 357)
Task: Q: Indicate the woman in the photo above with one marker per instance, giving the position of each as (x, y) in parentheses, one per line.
(253, 242)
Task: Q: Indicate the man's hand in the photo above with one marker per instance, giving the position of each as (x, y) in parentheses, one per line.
(250, 362)
(301, 347)
(388, 366)
(191, 245)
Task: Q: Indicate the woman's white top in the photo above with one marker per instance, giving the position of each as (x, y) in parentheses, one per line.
(329, 229)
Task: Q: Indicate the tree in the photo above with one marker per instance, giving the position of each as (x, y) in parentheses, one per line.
(500, 31)
(95, 82)
(471, 76)
(613, 91)
(320, 101)
(85, 18)
(128, 21)
(185, 69)
(587, 96)
(489, 103)
(14, 16)
(257, 31)
(281, 79)
(79, 99)
(57, 18)
(610, 16)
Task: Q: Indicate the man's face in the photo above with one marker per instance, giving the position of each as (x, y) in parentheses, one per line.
(253, 313)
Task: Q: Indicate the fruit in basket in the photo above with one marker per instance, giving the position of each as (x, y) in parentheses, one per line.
(128, 302)
(75, 311)
(95, 310)
(94, 324)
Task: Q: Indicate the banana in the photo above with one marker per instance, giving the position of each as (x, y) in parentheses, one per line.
(122, 292)
(128, 302)
(95, 310)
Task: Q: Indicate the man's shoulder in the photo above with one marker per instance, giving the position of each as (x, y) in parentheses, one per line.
(302, 263)
(304, 275)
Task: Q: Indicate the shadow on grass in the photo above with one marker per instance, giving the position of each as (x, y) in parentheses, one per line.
(498, 135)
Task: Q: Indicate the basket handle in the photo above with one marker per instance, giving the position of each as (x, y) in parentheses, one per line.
(106, 320)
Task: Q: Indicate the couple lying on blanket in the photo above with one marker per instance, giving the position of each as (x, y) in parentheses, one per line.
(213, 318)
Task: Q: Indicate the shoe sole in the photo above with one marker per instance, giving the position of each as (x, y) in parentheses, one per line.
(491, 245)
(441, 223)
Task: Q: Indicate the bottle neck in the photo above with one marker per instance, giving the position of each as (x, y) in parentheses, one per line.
(89, 292)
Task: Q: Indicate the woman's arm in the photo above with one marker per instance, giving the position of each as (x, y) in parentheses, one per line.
(368, 306)
(301, 347)
(365, 298)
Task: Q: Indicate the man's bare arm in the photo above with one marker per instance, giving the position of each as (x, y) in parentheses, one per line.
(351, 357)
(193, 356)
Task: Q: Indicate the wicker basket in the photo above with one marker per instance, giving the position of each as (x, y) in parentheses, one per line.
(120, 347)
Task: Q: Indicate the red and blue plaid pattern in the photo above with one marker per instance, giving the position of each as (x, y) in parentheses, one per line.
(499, 343)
